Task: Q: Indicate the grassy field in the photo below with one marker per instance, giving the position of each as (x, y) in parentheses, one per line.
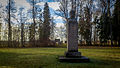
(47, 58)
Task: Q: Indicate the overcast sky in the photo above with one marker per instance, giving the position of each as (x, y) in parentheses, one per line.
(26, 5)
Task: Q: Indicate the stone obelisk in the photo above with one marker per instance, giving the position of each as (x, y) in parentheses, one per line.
(72, 36)
(72, 54)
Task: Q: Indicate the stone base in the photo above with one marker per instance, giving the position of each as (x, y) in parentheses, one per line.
(73, 59)
(73, 54)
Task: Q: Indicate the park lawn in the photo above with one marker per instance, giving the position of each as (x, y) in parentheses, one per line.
(48, 58)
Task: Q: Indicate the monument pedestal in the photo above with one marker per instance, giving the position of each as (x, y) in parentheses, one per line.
(72, 54)
(74, 57)
(80, 59)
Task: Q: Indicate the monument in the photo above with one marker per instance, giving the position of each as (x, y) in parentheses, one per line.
(72, 54)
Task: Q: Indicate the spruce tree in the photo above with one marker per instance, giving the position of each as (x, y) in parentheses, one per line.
(46, 23)
(116, 22)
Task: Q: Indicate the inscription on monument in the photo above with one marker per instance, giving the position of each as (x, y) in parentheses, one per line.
(72, 35)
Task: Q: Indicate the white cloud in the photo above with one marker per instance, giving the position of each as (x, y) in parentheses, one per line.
(53, 5)
(60, 25)
(22, 3)
(3, 2)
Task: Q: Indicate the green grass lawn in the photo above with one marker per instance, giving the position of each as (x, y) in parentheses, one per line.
(47, 58)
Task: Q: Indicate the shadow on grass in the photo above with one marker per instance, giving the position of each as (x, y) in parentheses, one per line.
(27, 60)
(16, 60)
(105, 63)
(94, 63)
(7, 59)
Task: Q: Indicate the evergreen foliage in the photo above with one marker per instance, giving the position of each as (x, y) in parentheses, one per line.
(46, 23)
(116, 22)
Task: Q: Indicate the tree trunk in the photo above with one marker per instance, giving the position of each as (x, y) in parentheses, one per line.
(33, 11)
(22, 35)
(119, 43)
(81, 40)
(9, 27)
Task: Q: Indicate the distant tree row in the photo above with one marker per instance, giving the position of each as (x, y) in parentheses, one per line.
(19, 34)
(99, 20)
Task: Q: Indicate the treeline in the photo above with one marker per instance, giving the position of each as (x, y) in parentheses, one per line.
(99, 20)
(37, 33)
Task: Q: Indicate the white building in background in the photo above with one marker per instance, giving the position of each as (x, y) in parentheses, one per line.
(0, 28)
(3, 30)
(0, 31)
(60, 32)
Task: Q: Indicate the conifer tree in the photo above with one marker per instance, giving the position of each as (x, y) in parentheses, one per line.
(46, 23)
(116, 22)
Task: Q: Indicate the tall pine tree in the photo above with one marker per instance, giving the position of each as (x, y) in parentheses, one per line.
(46, 23)
(116, 22)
